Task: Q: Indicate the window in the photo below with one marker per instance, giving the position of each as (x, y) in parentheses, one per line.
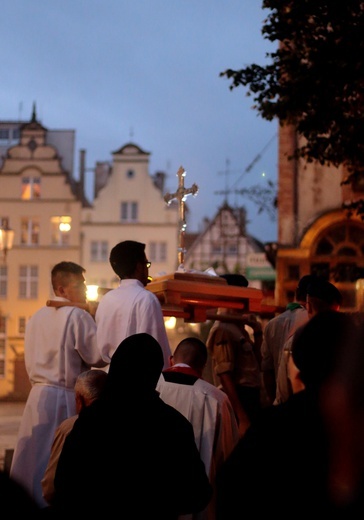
(30, 188)
(339, 253)
(158, 251)
(325, 247)
(2, 345)
(344, 272)
(61, 230)
(129, 212)
(4, 134)
(99, 251)
(29, 231)
(232, 249)
(216, 249)
(28, 281)
(3, 280)
(22, 324)
(321, 269)
(2, 325)
(293, 272)
(130, 174)
(2, 357)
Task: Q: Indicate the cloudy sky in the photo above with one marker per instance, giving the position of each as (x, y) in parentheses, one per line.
(147, 71)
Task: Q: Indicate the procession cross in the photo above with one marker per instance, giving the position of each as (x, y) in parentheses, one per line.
(181, 195)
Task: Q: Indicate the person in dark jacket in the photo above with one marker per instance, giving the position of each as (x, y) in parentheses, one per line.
(281, 465)
(129, 453)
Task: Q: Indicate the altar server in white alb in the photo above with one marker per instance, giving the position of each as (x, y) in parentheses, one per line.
(130, 308)
(60, 343)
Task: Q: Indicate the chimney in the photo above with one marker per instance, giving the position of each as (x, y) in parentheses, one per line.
(82, 170)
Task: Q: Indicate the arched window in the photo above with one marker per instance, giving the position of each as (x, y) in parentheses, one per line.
(338, 254)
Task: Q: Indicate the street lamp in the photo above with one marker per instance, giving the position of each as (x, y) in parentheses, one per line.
(6, 237)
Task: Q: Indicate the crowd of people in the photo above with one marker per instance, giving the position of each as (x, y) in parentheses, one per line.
(116, 421)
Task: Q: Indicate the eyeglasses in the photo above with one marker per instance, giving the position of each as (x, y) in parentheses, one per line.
(148, 264)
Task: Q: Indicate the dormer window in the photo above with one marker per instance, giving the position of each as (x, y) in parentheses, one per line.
(129, 212)
(30, 188)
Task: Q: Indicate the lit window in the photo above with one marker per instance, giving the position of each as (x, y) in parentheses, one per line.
(30, 188)
(61, 230)
(29, 233)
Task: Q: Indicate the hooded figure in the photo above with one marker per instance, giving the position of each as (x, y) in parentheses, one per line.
(130, 454)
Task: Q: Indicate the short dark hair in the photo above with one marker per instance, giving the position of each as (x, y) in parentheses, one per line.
(301, 289)
(316, 344)
(125, 256)
(324, 291)
(238, 280)
(193, 351)
(61, 271)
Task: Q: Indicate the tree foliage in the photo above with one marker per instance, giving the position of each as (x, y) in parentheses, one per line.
(315, 79)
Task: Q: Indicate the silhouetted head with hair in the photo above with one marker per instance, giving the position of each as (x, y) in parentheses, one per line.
(302, 286)
(322, 295)
(191, 351)
(135, 366)
(238, 280)
(316, 345)
(125, 256)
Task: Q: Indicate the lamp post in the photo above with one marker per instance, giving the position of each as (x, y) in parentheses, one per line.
(6, 237)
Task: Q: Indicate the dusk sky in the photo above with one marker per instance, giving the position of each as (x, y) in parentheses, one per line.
(147, 71)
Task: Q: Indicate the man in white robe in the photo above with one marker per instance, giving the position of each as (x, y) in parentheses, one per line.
(130, 308)
(206, 407)
(60, 343)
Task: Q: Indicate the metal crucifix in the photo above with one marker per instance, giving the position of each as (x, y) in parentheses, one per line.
(181, 195)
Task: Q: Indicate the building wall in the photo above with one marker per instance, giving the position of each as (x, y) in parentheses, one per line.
(310, 198)
(33, 157)
(56, 198)
(224, 246)
(156, 222)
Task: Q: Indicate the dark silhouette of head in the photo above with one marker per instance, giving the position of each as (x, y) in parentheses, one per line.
(301, 289)
(125, 256)
(135, 366)
(238, 280)
(316, 345)
(322, 295)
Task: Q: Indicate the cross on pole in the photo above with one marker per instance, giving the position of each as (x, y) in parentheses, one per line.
(181, 195)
